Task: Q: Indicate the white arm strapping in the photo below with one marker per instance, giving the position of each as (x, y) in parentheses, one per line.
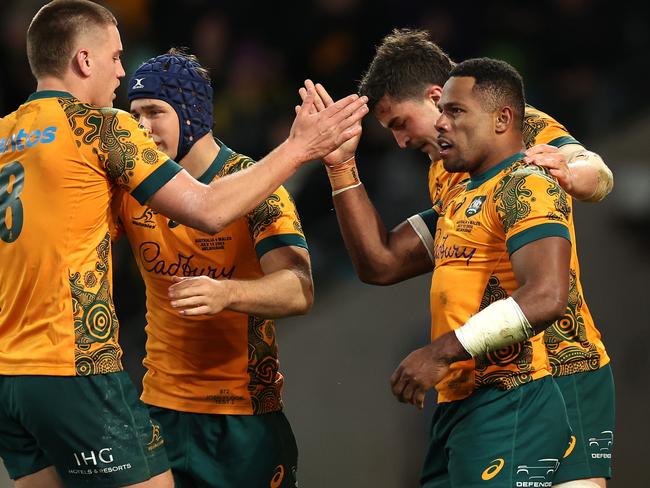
(605, 177)
(498, 325)
(423, 233)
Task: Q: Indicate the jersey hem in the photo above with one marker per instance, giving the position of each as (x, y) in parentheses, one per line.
(603, 362)
(196, 407)
(40, 370)
(446, 397)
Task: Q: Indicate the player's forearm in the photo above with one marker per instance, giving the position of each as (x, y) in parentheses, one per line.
(283, 293)
(448, 348)
(592, 179)
(233, 196)
(542, 305)
(365, 236)
(529, 311)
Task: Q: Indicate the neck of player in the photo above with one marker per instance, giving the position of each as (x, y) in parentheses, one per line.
(201, 156)
(499, 153)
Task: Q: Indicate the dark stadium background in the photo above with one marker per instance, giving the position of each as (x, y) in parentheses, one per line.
(585, 62)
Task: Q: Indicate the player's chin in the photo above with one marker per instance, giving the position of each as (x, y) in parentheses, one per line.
(452, 164)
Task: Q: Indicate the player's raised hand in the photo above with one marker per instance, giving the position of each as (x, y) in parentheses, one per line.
(198, 295)
(417, 374)
(551, 158)
(317, 133)
(322, 100)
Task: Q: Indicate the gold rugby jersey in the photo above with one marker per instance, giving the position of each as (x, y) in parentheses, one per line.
(472, 232)
(60, 161)
(221, 364)
(574, 343)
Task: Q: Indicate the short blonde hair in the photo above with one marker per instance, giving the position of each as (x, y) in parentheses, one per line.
(53, 30)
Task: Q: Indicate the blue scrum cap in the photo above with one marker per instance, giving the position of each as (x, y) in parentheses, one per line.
(175, 80)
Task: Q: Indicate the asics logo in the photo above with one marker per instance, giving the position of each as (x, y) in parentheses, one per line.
(493, 469)
(137, 84)
(278, 476)
(572, 445)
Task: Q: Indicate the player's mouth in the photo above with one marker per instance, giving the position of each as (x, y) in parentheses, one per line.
(445, 146)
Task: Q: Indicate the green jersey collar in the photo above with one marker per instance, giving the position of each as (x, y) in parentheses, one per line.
(49, 94)
(216, 165)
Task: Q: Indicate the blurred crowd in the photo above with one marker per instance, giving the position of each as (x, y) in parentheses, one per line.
(583, 61)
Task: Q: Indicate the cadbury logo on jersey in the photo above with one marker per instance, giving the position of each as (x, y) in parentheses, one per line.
(22, 140)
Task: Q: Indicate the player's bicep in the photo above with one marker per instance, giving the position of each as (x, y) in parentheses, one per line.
(543, 263)
(412, 242)
(181, 199)
(293, 258)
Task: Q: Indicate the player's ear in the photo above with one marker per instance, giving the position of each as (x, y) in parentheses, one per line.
(81, 62)
(503, 119)
(434, 92)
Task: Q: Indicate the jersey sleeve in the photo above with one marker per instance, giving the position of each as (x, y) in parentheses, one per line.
(129, 155)
(540, 128)
(530, 206)
(275, 223)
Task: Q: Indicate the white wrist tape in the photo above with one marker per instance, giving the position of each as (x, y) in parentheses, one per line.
(498, 325)
(578, 484)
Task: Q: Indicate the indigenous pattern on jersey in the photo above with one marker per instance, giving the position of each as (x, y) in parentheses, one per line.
(574, 343)
(60, 161)
(221, 364)
(480, 223)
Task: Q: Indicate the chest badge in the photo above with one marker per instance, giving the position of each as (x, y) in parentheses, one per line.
(475, 206)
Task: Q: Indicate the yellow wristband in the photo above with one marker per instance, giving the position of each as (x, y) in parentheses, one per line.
(344, 175)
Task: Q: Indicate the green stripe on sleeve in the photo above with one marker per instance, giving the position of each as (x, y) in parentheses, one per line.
(281, 240)
(563, 141)
(536, 233)
(430, 218)
(156, 180)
